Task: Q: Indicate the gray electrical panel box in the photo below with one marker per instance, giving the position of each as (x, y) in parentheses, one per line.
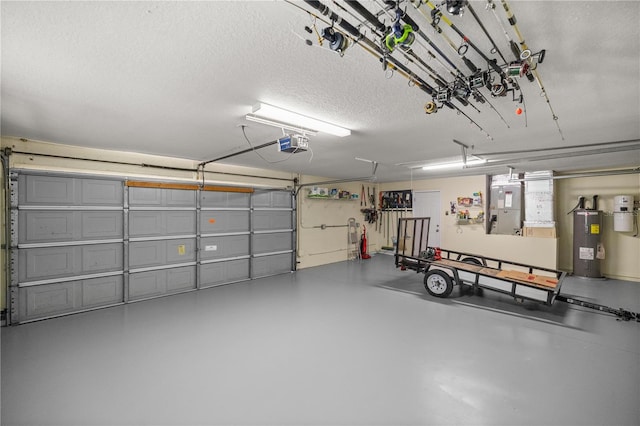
(505, 206)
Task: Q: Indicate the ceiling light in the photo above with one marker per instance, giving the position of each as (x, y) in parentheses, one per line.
(303, 130)
(269, 112)
(454, 165)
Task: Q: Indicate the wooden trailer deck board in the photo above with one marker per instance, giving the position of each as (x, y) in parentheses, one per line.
(459, 265)
(522, 277)
(539, 280)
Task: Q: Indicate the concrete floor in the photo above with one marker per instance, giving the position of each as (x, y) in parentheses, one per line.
(348, 343)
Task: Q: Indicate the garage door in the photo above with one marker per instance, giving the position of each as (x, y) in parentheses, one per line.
(67, 245)
(80, 243)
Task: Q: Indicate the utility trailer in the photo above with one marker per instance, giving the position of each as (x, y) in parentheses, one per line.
(445, 268)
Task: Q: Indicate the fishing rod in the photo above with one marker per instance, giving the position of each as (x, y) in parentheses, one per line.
(380, 29)
(478, 79)
(459, 89)
(526, 55)
(462, 50)
(499, 89)
(484, 29)
(512, 44)
(379, 53)
(404, 46)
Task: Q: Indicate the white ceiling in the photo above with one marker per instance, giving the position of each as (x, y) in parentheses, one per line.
(177, 78)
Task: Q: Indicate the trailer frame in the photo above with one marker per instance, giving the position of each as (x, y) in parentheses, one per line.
(444, 269)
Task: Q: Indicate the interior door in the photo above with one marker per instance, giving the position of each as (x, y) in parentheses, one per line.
(427, 204)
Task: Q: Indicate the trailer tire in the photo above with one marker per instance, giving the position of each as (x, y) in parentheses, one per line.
(472, 261)
(438, 283)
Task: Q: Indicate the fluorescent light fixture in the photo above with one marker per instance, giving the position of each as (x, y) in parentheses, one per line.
(278, 115)
(455, 165)
(256, 119)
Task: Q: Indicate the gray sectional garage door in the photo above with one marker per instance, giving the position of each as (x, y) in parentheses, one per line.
(81, 243)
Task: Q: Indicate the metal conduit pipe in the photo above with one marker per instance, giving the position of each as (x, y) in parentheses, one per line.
(556, 148)
(581, 175)
(554, 156)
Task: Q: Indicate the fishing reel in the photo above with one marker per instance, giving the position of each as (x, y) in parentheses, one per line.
(430, 108)
(508, 85)
(442, 96)
(455, 7)
(518, 69)
(401, 36)
(478, 80)
(338, 42)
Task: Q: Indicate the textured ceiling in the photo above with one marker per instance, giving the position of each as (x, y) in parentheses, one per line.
(177, 78)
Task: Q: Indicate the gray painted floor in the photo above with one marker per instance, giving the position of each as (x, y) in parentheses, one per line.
(349, 343)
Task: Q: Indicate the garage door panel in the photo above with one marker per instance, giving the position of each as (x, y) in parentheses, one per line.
(272, 219)
(145, 223)
(145, 196)
(180, 279)
(272, 242)
(179, 198)
(161, 197)
(224, 199)
(102, 291)
(102, 258)
(60, 262)
(39, 263)
(272, 199)
(182, 250)
(160, 252)
(160, 282)
(161, 222)
(218, 273)
(224, 247)
(101, 225)
(271, 265)
(224, 221)
(46, 190)
(147, 253)
(180, 222)
(47, 300)
(101, 192)
(44, 226)
(147, 284)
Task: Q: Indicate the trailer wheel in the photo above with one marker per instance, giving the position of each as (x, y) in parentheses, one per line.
(472, 260)
(438, 283)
